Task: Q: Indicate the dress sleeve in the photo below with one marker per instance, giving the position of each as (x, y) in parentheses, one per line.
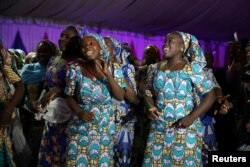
(71, 80)
(119, 77)
(149, 80)
(210, 75)
(129, 74)
(199, 78)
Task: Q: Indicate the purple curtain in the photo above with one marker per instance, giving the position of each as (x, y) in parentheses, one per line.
(25, 34)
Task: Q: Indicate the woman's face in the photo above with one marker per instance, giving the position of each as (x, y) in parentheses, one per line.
(91, 48)
(44, 53)
(65, 37)
(173, 45)
(110, 45)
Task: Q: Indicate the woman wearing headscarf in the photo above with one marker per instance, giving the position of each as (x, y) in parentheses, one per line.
(124, 114)
(175, 137)
(90, 88)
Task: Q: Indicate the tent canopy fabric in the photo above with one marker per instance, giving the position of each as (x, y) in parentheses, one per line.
(207, 19)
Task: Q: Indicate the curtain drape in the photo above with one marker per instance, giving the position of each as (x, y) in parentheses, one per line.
(32, 31)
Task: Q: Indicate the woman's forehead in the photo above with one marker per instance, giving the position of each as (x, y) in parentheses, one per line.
(174, 35)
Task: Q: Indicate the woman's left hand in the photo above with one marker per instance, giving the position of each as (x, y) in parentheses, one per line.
(184, 122)
(104, 65)
(225, 105)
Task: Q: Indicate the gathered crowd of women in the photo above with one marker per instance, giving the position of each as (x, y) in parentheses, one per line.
(87, 102)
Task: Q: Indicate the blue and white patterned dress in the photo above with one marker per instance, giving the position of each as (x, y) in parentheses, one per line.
(90, 144)
(173, 92)
(124, 121)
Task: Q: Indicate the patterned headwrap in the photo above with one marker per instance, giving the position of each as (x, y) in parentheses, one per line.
(20, 54)
(192, 50)
(125, 52)
(82, 31)
(117, 47)
(100, 39)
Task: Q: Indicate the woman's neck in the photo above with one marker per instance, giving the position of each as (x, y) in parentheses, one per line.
(175, 60)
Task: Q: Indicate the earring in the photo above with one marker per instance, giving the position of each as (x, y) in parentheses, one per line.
(101, 52)
(182, 49)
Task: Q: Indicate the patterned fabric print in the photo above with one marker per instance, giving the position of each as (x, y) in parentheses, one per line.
(124, 119)
(209, 138)
(90, 144)
(129, 74)
(209, 141)
(117, 47)
(55, 75)
(193, 51)
(169, 146)
(8, 75)
(53, 145)
(6, 159)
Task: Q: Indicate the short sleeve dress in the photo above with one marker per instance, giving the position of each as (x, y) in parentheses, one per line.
(90, 144)
(173, 93)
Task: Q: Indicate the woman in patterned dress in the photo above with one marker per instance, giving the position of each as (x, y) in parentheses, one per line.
(90, 87)
(124, 116)
(54, 140)
(175, 137)
(9, 99)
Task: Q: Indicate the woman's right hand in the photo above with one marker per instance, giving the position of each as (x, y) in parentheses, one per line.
(86, 116)
(153, 113)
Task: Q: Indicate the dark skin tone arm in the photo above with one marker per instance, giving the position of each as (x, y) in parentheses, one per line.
(102, 68)
(203, 107)
(225, 105)
(10, 106)
(86, 116)
(130, 94)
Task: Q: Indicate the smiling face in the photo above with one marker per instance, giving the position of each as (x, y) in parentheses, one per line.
(173, 46)
(91, 48)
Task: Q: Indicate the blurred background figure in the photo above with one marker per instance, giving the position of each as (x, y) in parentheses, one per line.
(33, 76)
(30, 58)
(54, 140)
(245, 100)
(124, 110)
(221, 106)
(151, 55)
(19, 56)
